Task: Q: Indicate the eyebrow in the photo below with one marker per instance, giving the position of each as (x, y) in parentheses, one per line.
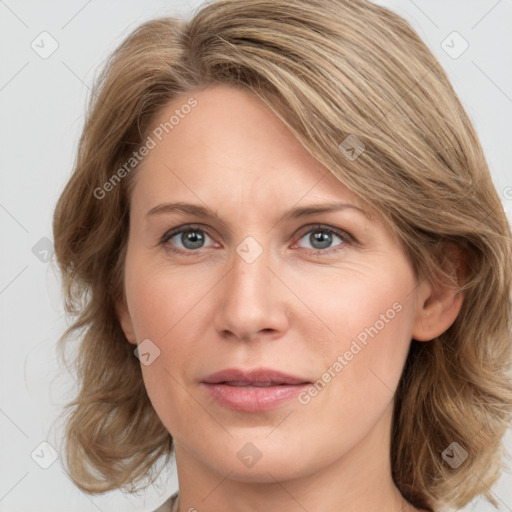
(295, 213)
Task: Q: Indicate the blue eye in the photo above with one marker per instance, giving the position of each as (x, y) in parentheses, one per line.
(191, 238)
(322, 237)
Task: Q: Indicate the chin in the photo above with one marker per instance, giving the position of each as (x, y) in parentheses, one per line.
(260, 462)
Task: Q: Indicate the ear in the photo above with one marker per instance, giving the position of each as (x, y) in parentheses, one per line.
(125, 320)
(439, 298)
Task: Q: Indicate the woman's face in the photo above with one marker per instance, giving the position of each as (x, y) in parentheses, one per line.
(267, 266)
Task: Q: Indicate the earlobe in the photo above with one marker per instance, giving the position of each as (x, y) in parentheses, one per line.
(125, 322)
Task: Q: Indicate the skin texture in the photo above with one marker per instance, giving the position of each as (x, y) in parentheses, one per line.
(295, 308)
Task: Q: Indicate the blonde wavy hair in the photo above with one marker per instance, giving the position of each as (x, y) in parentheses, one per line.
(328, 69)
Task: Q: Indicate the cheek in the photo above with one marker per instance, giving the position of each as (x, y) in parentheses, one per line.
(160, 297)
(369, 316)
(360, 301)
(167, 307)
(161, 310)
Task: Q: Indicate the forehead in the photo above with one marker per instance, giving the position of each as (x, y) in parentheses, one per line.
(230, 148)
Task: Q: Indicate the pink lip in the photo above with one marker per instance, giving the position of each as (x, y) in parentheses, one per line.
(253, 390)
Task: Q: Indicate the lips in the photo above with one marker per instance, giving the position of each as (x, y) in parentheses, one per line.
(253, 390)
(257, 377)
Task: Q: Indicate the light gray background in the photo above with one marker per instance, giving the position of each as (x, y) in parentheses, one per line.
(42, 103)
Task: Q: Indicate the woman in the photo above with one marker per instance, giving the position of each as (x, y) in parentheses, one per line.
(289, 268)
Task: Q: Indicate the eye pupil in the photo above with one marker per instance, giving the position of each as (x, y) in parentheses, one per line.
(192, 239)
(323, 238)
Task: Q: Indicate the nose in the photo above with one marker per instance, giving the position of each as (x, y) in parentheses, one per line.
(252, 300)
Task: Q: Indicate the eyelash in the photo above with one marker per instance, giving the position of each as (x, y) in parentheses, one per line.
(346, 238)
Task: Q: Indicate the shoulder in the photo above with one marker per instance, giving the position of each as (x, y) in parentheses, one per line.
(167, 505)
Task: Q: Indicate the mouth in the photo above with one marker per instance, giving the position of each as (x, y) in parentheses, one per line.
(253, 390)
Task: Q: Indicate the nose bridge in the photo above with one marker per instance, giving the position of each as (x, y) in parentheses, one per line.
(249, 273)
(251, 302)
